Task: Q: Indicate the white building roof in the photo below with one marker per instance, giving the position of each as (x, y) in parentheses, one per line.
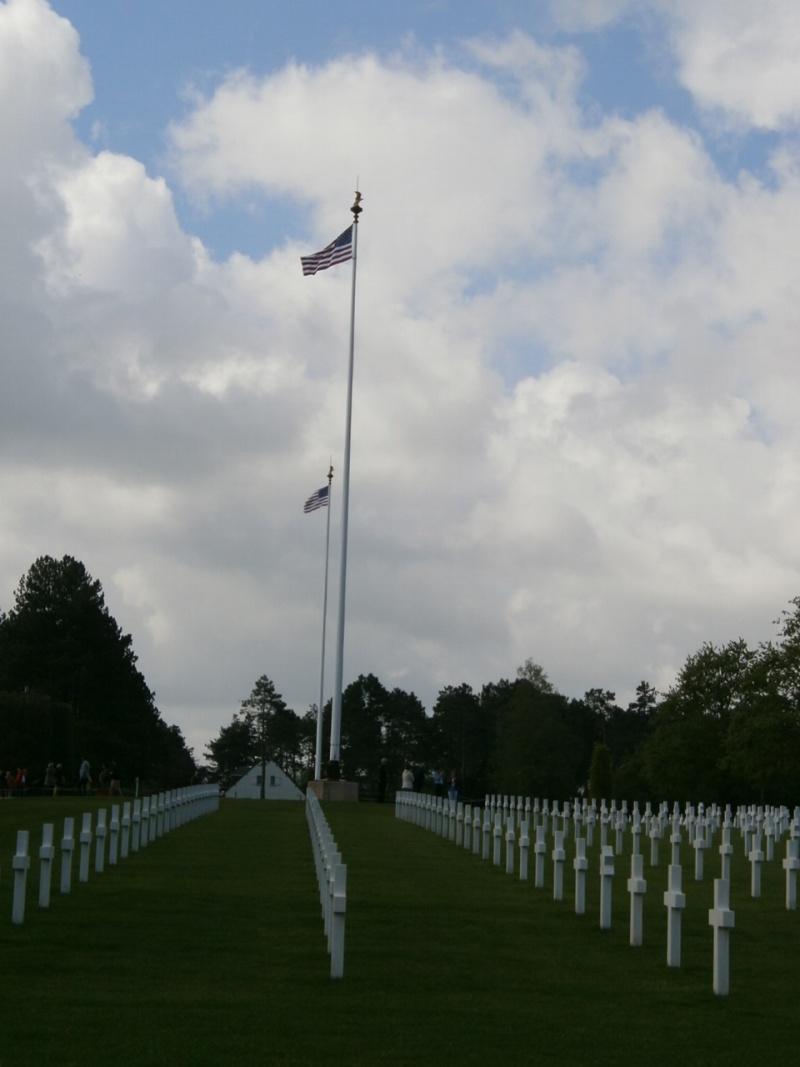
(277, 785)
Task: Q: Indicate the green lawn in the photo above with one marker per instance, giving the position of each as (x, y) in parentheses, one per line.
(207, 947)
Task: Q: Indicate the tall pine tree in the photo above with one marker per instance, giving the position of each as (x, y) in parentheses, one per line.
(60, 642)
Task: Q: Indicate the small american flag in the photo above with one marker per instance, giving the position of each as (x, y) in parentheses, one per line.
(338, 251)
(317, 500)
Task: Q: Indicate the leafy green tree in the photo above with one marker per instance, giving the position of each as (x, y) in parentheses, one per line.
(601, 775)
(786, 665)
(493, 697)
(308, 741)
(263, 729)
(462, 733)
(34, 731)
(715, 680)
(60, 641)
(533, 673)
(235, 747)
(405, 729)
(275, 728)
(285, 739)
(682, 757)
(645, 703)
(601, 703)
(762, 748)
(586, 729)
(625, 732)
(364, 706)
(685, 755)
(536, 754)
(173, 760)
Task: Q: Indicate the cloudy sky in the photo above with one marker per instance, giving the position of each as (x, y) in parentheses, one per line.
(575, 425)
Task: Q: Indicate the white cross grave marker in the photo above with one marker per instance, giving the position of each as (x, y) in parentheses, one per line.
(20, 864)
(580, 865)
(675, 902)
(637, 887)
(67, 845)
(606, 884)
(791, 865)
(86, 847)
(722, 919)
(46, 854)
(559, 855)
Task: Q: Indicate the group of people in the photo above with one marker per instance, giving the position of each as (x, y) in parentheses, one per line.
(413, 780)
(14, 785)
(109, 782)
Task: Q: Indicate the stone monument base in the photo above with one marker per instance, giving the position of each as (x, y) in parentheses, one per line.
(330, 789)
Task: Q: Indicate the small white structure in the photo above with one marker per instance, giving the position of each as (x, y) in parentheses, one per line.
(277, 785)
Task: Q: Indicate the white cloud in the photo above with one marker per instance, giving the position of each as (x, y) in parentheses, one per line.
(120, 234)
(44, 75)
(586, 15)
(737, 59)
(574, 425)
(740, 58)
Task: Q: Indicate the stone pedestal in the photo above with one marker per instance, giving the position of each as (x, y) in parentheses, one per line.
(330, 789)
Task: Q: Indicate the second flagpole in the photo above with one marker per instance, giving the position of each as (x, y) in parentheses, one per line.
(321, 705)
(336, 712)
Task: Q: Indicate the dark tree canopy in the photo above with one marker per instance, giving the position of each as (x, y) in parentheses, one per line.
(536, 753)
(60, 643)
(462, 731)
(234, 747)
(364, 709)
(601, 777)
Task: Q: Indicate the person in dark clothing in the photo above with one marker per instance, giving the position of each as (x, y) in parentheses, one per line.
(84, 777)
(383, 775)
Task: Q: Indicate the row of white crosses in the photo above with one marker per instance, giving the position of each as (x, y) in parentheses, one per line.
(507, 820)
(331, 879)
(133, 825)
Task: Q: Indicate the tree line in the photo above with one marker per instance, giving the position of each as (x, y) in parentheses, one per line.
(726, 731)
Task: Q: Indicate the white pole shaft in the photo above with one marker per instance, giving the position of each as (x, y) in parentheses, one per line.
(336, 715)
(321, 705)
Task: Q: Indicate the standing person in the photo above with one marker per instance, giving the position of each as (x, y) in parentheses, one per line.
(50, 779)
(438, 782)
(383, 773)
(61, 781)
(84, 772)
(116, 780)
(407, 779)
(419, 779)
(452, 787)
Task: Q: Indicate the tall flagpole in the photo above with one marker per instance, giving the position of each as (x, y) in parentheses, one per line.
(321, 705)
(336, 715)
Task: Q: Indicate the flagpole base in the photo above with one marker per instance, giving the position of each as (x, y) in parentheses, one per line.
(325, 789)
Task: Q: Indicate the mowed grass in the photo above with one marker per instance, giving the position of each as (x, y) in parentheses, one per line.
(207, 947)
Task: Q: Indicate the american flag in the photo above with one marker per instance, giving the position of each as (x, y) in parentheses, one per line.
(317, 500)
(338, 251)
